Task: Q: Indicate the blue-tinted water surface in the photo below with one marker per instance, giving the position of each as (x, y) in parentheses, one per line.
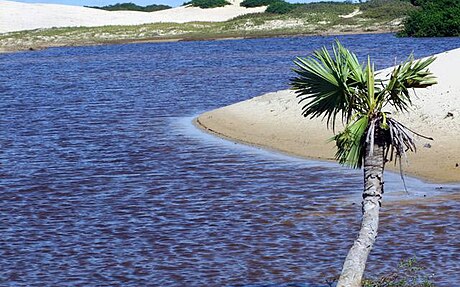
(104, 180)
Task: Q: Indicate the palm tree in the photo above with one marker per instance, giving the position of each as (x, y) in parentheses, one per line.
(335, 84)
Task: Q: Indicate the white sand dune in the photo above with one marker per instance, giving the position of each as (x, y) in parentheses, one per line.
(17, 16)
(273, 121)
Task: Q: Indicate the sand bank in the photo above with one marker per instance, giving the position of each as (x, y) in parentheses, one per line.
(17, 16)
(273, 121)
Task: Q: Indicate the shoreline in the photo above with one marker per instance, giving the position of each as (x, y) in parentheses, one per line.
(416, 186)
(273, 121)
(389, 167)
(39, 47)
(197, 122)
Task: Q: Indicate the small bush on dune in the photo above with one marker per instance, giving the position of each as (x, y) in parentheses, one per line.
(207, 3)
(258, 3)
(280, 8)
(132, 7)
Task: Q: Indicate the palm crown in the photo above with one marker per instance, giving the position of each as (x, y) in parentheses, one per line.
(336, 84)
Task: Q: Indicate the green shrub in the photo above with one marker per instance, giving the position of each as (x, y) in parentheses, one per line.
(379, 9)
(132, 7)
(280, 7)
(156, 7)
(408, 274)
(258, 3)
(208, 3)
(434, 18)
(327, 7)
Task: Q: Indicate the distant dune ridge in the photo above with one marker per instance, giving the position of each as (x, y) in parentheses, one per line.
(17, 16)
(274, 121)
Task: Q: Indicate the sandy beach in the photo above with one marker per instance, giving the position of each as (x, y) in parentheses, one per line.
(18, 16)
(273, 121)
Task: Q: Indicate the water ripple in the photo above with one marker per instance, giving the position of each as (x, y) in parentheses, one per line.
(104, 181)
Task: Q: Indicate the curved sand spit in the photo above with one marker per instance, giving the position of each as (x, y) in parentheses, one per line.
(273, 121)
(17, 16)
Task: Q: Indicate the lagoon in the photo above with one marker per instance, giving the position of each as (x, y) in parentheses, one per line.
(105, 181)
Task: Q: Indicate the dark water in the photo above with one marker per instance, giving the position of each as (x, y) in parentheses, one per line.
(104, 181)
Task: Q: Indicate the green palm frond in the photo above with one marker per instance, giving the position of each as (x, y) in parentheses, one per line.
(350, 143)
(410, 74)
(332, 84)
(370, 97)
(326, 84)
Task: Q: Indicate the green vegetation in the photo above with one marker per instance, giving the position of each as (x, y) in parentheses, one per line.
(280, 7)
(258, 3)
(132, 7)
(434, 18)
(327, 7)
(303, 19)
(208, 3)
(380, 10)
(408, 274)
(337, 87)
(386, 8)
(274, 6)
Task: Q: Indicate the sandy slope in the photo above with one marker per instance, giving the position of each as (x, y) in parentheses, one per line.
(17, 16)
(274, 121)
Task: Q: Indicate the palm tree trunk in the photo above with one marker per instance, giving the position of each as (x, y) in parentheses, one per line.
(355, 263)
